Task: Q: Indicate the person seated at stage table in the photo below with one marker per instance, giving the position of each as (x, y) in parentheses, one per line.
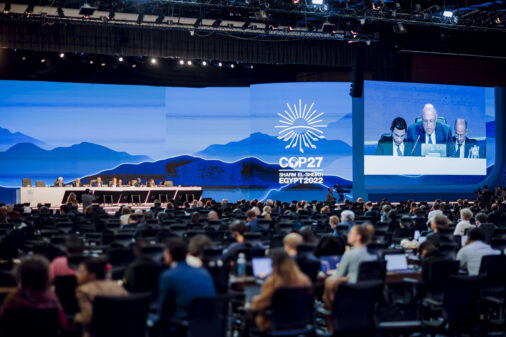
(464, 146)
(114, 182)
(395, 144)
(77, 183)
(97, 182)
(429, 131)
(138, 183)
(151, 183)
(59, 182)
(120, 182)
(285, 274)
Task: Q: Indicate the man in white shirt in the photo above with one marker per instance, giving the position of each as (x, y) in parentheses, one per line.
(465, 215)
(475, 248)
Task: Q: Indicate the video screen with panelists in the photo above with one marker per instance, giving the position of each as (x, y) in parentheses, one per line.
(427, 133)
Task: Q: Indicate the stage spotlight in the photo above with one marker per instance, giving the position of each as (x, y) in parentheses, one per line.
(91, 61)
(120, 59)
(62, 55)
(140, 18)
(103, 64)
(204, 63)
(181, 62)
(189, 62)
(160, 18)
(86, 10)
(317, 2)
(43, 61)
(220, 64)
(134, 65)
(232, 66)
(153, 61)
(448, 14)
(59, 10)
(251, 66)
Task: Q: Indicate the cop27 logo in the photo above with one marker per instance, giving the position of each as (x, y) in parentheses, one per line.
(300, 126)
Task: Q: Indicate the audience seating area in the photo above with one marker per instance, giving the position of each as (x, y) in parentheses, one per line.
(432, 296)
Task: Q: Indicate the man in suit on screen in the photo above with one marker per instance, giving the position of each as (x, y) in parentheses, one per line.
(395, 144)
(464, 147)
(429, 131)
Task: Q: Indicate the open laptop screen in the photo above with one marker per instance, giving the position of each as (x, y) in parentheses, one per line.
(262, 266)
(396, 262)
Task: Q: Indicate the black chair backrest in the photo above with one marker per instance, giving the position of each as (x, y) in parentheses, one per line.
(488, 229)
(439, 274)
(145, 279)
(372, 270)
(461, 300)
(493, 269)
(353, 306)
(7, 279)
(65, 289)
(292, 309)
(208, 316)
(120, 316)
(30, 323)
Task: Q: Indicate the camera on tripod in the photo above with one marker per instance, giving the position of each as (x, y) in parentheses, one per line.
(341, 190)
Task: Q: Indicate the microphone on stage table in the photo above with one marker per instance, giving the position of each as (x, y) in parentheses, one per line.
(413, 150)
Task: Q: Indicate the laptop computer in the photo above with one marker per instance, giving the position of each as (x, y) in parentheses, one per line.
(329, 263)
(396, 262)
(262, 267)
(434, 150)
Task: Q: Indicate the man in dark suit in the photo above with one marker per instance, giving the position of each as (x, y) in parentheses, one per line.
(97, 183)
(59, 182)
(395, 144)
(77, 183)
(429, 131)
(463, 145)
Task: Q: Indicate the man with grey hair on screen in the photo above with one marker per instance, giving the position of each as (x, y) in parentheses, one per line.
(429, 131)
(464, 147)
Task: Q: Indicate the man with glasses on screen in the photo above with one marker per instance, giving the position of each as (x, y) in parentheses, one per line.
(464, 147)
(429, 131)
(395, 144)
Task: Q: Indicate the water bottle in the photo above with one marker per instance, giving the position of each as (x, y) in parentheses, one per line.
(241, 265)
(417, 235)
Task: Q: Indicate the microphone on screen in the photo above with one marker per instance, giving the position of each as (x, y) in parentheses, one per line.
(413, 150)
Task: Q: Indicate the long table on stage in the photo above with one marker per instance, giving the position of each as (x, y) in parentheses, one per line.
(57, 196)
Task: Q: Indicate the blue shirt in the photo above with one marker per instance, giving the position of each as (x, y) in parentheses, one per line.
(180, 285)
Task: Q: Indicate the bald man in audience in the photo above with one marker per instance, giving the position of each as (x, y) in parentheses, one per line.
(464, 146)
(290, 243)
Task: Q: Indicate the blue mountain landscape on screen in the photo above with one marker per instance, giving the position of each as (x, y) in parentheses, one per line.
(269, 149)
(8, 139)
(26, 160)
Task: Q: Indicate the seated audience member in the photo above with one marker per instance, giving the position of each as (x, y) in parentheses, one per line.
(252, 221)
(285, 274)
(436, 209)
(133, 221)
(92, 283)
(195, 219)
(465, 216)
(439, 222)
(474, 249)
(369, 211)
(358, 237)
(213, 216)
(77, 183)
(266, 214)
(33, 290)
(290, 243)
(59, 182)
(72, 200)
(428, 254)
(140, 260)
(237, 228)
(196, 248)
(384, 213)
(480, 218)
(125, 214)
(347, 218)
(180, 284)
(59, 266)
(307, 234)
(395, 144)
(333, 222)
(405, 228)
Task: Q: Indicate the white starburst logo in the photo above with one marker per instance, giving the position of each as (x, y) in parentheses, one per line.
(300, 127)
